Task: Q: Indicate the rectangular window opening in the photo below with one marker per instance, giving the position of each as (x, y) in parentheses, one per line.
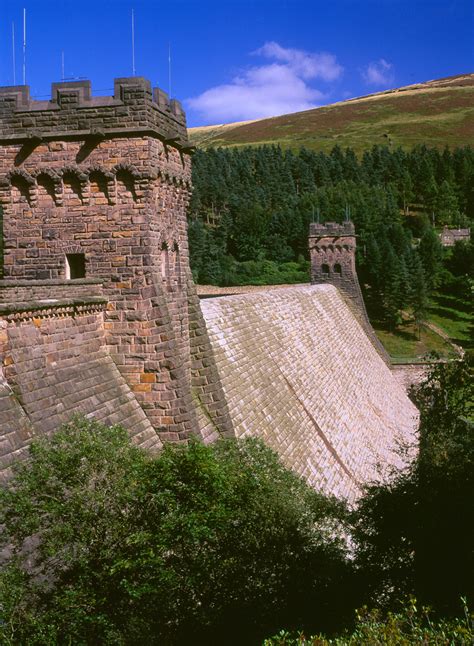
(75, 266)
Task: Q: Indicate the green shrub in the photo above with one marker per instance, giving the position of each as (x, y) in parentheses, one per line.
(415, 534)
(405, 628)
(109, 545)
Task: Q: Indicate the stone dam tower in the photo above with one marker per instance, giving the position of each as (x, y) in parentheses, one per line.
(332, 248)
(94, 192)
(99, 314)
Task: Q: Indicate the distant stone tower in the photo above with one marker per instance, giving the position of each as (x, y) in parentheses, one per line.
(332, 249)
(97, 187)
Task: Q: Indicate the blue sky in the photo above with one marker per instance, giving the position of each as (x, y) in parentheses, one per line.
(241, 59)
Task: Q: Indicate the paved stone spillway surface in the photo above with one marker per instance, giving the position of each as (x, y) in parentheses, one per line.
(299, 371)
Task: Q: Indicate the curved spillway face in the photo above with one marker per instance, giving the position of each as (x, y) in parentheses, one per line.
(299, 371)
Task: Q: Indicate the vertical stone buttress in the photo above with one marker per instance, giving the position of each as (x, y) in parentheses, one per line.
(332, 249)
(98, 187)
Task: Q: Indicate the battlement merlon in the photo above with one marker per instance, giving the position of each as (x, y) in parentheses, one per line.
(331, 230)
(73, 113)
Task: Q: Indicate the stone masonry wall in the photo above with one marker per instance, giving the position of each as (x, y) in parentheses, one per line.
(107, 179)
(23, 291)
(15, 428)
(299, 371)
(411, 374)
(54, 363)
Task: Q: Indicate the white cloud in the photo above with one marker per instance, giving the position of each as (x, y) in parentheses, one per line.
(379, 73)
(306, 64)
(277, 87)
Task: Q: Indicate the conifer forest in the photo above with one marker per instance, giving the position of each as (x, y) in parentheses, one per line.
(251, 209)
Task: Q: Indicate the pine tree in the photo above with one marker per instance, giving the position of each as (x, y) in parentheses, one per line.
(431, 256)
(447, 205)
(418, 292)
(394, 288)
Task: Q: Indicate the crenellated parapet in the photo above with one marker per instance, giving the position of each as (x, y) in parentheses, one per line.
(332, 229)
(72, 112)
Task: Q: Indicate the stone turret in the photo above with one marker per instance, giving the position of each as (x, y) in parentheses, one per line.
(97, 188)
(332, 250)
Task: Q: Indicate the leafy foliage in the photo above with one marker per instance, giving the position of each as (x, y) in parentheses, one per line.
(415, 535)
(109, 545)
(409, 626)
(106, 544)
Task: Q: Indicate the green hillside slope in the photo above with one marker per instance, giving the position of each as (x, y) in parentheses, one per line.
(436, 113)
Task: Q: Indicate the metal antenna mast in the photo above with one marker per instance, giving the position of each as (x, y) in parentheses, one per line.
(133, 42)
(169, 69)
(62, 65)
(24, 46)
(13, 53)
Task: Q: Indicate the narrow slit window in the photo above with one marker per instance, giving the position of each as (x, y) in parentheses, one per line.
(165, 262)
(75, 266)
(177, 264)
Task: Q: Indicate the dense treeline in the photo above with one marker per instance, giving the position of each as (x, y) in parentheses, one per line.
(251, 210)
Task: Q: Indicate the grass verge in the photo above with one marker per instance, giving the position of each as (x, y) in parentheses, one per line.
(407, 343)
(455, 316)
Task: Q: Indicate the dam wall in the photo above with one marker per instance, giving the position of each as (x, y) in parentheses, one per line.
(99, 314)
(296, 368)
(299, 371)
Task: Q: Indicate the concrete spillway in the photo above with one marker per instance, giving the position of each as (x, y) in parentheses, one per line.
(299, 371)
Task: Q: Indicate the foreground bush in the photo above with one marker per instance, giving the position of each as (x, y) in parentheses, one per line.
(410, 626)
(108, 545)
(415, 535)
